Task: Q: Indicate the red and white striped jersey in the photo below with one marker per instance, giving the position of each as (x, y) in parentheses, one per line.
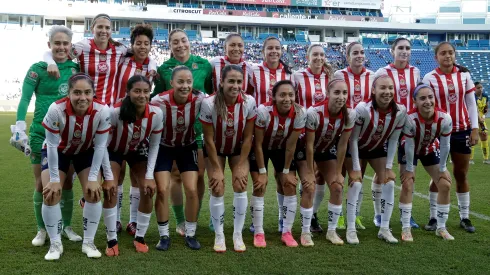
(77, 132)
(263, 79)
(358, 85)
(450, 91)
(327, 128)
(179, 119)
(426, 134)
(228, 133)
(127, 69)
(277, 128)
(376, 126)
(219, 62)
(405, 81)
(100, 65)
(125, 137)
(312, 88)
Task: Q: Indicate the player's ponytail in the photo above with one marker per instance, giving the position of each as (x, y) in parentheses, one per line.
(219, 101)
(128, 109)
(343, 110)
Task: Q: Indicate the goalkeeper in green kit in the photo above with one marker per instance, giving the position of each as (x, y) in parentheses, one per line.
(47, 91)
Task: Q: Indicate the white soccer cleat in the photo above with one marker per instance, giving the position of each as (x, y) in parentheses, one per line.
(71, 235)
(91, 250)
(55, 251)
(219, 243)
(407, 235)
(472, 162)
(351, 237)
(443, 233)
(385, 234)
(238, 243)
(486, 161)
(307, 240)
(334, 238)
(40, 238)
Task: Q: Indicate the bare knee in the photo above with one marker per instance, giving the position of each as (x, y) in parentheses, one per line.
(335, 190)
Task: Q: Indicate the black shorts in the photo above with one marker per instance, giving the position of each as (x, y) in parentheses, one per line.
(237, 152)
(185, 157)
(380, 152)
(330, 154)
(427, 160)
(80, 161)
(276, 156)
(460, 142)
(131, 157)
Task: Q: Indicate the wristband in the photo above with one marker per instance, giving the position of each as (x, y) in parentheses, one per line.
(262, 170)
(285, 171)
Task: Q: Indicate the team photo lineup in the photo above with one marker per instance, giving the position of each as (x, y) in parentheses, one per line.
(179, 126)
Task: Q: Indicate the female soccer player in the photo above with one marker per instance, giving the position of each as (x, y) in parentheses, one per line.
(202, 81)
(180, 106)
(359, 82)
(47, 91)
(405, 77)
(77, 128)
(134, 121)
(426, 129)
(228, 121)
(454, 91)
(482, 100)
(374, 141)
(277, 128)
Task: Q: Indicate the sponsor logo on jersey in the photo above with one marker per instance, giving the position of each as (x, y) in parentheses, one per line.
(403, 93)
(452, 98)
(102, 67)
(319, 97)
(230, 133)
(357, 98)
(63, 89)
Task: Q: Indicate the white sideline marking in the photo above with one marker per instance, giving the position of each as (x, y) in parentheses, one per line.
(420, 195)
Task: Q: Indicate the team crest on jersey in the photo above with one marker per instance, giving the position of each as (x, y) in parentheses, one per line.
(194, 66)
(402, 81)
(230, 122)
(73, 71)
(357, 87)
(450, 87)
(102, 67)
(136, 135)
(280, 133)
(229, 133)
(77, 134)
(319, 97)
(273, 81)
(45, 161)
(63, 89)
(403, 93)
(138, 72)
(379, 128)
(180, 120)
(318, 86)
(103, 57)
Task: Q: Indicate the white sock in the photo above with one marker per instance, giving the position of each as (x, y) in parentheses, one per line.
(280, 201)
(120, 192)
(217, 209)
(387, 202)
(134, 203)
(333, 215)
(433, 204)
(163, 229)
(352, 201)
(142, 223)
(405, 214)
(306, 215)
(318, 197)
(376, 191)
(239, 211)
(442, 214)
(464, 205)
(110, 222)
(91, 218)
(52, 221)
(190, 228)
(257, 210)
(360, 197)
(288, 213)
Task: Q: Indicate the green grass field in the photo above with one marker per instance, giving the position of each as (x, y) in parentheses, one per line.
(468, 254)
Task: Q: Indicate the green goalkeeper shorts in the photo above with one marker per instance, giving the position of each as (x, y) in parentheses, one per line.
(36, 139)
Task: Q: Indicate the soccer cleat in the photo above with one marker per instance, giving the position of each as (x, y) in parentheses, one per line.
(472, 162)
(486, 161)
(259, 240)
(432, 225)
(279, 226)
(55, 252)
(385, 234)
(112, 248)
(81, 202)
(359, 224)
(315, 226)
(413, 224)
(219, 243)
(71, 235)
(252, 228)
(211, 225)
(180, 229)
(91, 250)
(192, 243)
(334, 238)
(442, 232)
(40, 238)
(164, 243)
(288, 240)
(238, 244)
(466, 225)
(351, 237)
(131, 228)
(306, 239)
(118, 227)
(377, 220)
(407, 235)
(140, 245)
(341, 223)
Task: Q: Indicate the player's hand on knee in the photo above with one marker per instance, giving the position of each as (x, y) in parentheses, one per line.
(93, 191)
(389, 176)
(355, 176)
(51, 191)
(149, 187)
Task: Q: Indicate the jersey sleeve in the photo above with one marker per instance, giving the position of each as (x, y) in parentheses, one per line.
(251, 108)
(159, 83)
(77, 48)
(262, 117)
(426, 79)
(300, 120)
(158, 126)
(31, 81)
(361, 114)
(447, 126)
(105, 121)
(409, 128)
(470, 86)
(312, 120)
(403, 115)
(351, 121)
(51, 120)
(206, 115)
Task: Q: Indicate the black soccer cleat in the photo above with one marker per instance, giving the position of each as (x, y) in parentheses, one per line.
(467, 226)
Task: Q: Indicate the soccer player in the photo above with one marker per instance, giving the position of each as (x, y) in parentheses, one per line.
(374, 140)
(482, 100)
(77, 128)
(454, 91)
(180, 106)
(277, 128)
(426, 138)
(405, 77)
(359, 82)
(202, 81)
(228, 123)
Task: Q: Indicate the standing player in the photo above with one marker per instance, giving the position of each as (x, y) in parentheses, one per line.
(47, 91)
(228, 122)
(482, 100)
(180, 106)
(374, 140)
(426, 129)
(454, 91)
(77, 128)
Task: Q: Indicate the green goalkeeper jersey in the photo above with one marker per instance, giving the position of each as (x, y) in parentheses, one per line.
(47, 88)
